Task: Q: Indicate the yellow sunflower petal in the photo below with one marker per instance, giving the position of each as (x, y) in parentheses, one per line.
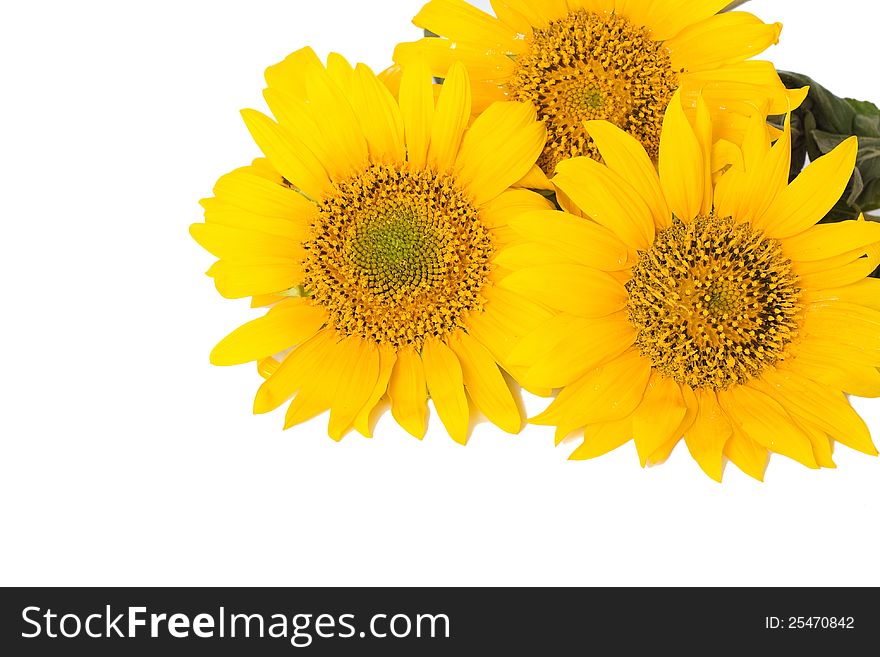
(610, 392)
(248, 191)
(862, 380)
(681, 163)
(603, 438)
(461, 21)
(268, 366)
(510, 204)
(726, 155)
(417, 107)
(830, 240)
(341, 126)
(451, 119)
(731, 102)
(534, 13)
(627, 157)
(499, 149)
(408, 393)
(580, 241)
(766, 181)
(658, 417)
(261, 167)
(380, 117)
(823, 446)
(266, 300)
(841, 271)
(662, 453)
(507, 318)
(703, 133)
(535, 179)
(813, 193)
(722, 39)
(391, 78)
(569, 427)
(225, 214)
(598, 6)
(302, 126)
(757, 142)
(482, 65)
(240, 278)
(445, 382)
(819, 405)
(359, 371)
(290, 75)
(341, 383)
(485, 383)
(575, 289)
(668, 18)
(318, 388)
(515, 14)
(709, 434)
(364, 419)
(845, 353)
(296, 164)
(747, 455)
(608, 199)
(562, 351)
(294, 370)
(288, 324)
(540, 343)
(864, 317)
(340, 71)
(234, 243)
(487, 94)
(552, 10)
(845, 323)
(729, 192)
(864, 293)
(529, 254)
(753, 79)
(763, 420)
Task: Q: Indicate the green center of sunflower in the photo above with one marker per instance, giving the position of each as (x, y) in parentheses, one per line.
(590, 66)
(714, 302)
(584, 100)
(396, 256)
(395, 251)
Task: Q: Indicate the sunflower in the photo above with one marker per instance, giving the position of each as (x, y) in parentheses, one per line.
(713, 309)
(375, 230)
(616, 60)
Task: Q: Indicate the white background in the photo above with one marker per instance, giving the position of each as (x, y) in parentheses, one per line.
(128, 460)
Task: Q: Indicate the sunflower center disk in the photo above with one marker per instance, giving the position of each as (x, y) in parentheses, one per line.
(589, 66)
(397, 256)
(713, 303)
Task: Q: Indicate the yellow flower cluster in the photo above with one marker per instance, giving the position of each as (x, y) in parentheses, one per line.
(592, 206)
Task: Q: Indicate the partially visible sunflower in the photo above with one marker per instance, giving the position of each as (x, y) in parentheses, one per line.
(715, 312)
(617, 60)
(374, 230)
